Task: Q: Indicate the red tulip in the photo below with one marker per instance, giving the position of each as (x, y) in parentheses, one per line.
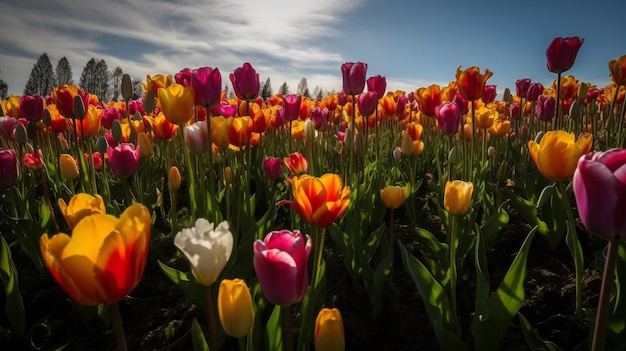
(245, 82)
(521, 87)
(353, 77)
(378, 84)
(561, 53)
(32, 107)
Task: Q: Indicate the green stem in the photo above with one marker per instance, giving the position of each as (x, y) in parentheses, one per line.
(288, 334)
(211, 319)
(453, 240)
(120, 337)
(191, 173)
(574, 246)
(604, 304)
(559, 119)
(242, 344)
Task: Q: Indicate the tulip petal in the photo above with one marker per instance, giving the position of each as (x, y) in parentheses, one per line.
(590, 180)
(270, 264)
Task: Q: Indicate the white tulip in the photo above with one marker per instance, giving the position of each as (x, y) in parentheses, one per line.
(206, 248)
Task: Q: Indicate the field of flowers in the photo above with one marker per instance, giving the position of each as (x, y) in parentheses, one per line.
(437, 218)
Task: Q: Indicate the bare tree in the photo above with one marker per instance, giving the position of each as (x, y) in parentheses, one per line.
(41, 79)
(4, 89)
(116, 82)
(303, 88)
(95, 79)
(64, 72)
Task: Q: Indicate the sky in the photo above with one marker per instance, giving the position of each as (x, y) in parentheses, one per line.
(412, 43)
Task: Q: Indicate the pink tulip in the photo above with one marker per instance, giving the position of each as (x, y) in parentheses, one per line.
(280, 263)
(8, 168)
(291, 107)
(545, 107)
(534, 90)
(353, 77)
(319, 116)
(561, 53)
(342, 98)
(7, 126)
(378, 84)
(207, 86)
(600, 191)
(521, 87)
(123, 159)
(245, 82)
(183, 77)
(109, 115)
(367, 103)
(32, 107)
(273, 167)
(515, 111)
(448, 117)
(462, 103)
(489, 94)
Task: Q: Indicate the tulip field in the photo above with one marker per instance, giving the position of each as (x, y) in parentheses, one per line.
(451, 217)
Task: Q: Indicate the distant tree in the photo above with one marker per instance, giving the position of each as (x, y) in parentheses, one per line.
(116, 83)
(230, 94)
(88, 78)
(95, 79)
(306, 93)
(318, 93)
(41, 79)
(284, 89)
(4, 89)
(64, 72)
(137, 88)
(266, 90)
(303, 87)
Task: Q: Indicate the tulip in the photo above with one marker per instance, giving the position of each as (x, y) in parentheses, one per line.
(8, 168)
(34, 160)
(462, 103)
(500, 127)
(196, 137)
(296, 163)
(90, 124)
(485, 117)
(428, 99)
(176, 102)
(104, 258)
(219, 131)
(240, 131)
(291, 107)
(367, 103)
(97, 160)
(617, 68)
(557, 154)
(11, 106)
(319, 116)
(471, 82)
(7, 127)
(458, 196)
(353, 77)
(534, 90)
(273, 167)
(489, 94)
(158, 81)
(183, 77)
(207, 248)
(377, 84)
(146, 149)
(280, 263)
(393, 196)
(234, 306)
(207, 86)
(545, 107)
(31, 107)
(329, 333)
(521, 87)
(68, 167)
(80, 206)
(561, 53)
(174, 178)
(123, 159)
(448, 117)
(109, 115)
(63, 97)
(320, 200)
(245, 81)
(224, 109)
(600, 191)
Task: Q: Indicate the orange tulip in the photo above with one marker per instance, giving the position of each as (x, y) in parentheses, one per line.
(428, 99)
(471, 82)
(11, 106)
(319, 201)
(500, 127)
(80, 206)
(557, 154)
(104, 258)
(157, 82)
(161, 127)
(393, 196)
(90, 125)
(296, 163)
(618, 70)
(240, 131)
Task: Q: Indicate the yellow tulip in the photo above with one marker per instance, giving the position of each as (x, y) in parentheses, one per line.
(146, 150)
(557, 154)
(81, 205)
(500, 127)
(68, 167)
(485, 117)
(458, 196)
(393, 196)
(329, 333)
(176, 102)
(234, 306)
(174, 178)
(104, 258)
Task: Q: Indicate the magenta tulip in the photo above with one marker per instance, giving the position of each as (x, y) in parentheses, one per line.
(183, 77)
(273, 167)
(489, 94)
(109, 115)
(123, 159)
(245, 82)
(319, 116)
(401, 104)
(515, 112)
(353, 77)
(545, 107)
(32, 107)
(342, 98)
(378, 84)
(448, 117)
(7, 126)
(521, 87)
(280, 263)
(291, 107)
(8, 168)
(224, 109)
(534, 90)
(367, 103)
(207, 86)
(463, 104)
(600, 191)
(561, 53)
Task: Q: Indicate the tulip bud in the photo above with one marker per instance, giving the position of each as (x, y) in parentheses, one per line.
(397, 153)
(575, 110)
(31, 130)
(146, 150)
(102, 145)
(506, 96)
(358, 144)
(407, 145)
(173, 178)
(455, 157)
(47, 118)
(309, 131)
(523, 132)
(69, 169)
(329, 333)
(116, 130)
(20, 134)
(127, 87)
(228, 175)
(148, 102)
(458, 196)
(79, 107)
(502, 170)
(583, 89)
(234, 305)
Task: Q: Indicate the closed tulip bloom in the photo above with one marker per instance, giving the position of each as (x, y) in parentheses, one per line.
(219, 131)
(97, 160)
(296, 163)
(280, 262)
(146, 149)
(521, 87)
(207, 86)
(500, 127)
(291, 106)
(68, 167)
(600, 191)
(458, 196)
(8, 168)
(489, 94)
(448, 117)
(207, 248)
(109, 115)
(353, 74)
(104, 258)
(471, 82)
(561, 53)
(7, 127)
(63, 97)
(196, 137)
(557, 154)
(319, 116)
(393, 196)
(245, 81)
(534, 90)
(240, 131)
(367, 103)
(377, 84)
(176, 102)
(80, 206)
(31, 107)
(174, 178)
(485, 117)
(273, 167)
(123, 159)
(545, 107)
(183, 77)
(234, 306)
(515, 111)
(428, 99)
(319, 201)
(617, 68)
(329, 333)
(89, 125)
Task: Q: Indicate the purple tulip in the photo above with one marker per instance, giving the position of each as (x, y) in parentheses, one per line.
(32, 107)
(463, 104)
(378, 84)
(489, 94)
(534, 90)
(291, 107)
(448, 117)
(342, 98)
(515, 111)
(367, 103)
(545, 107)
(207, 86)
(8, 168)
(273, 167)
(109, 115)
(245, 82)
(561, 53)
(401, 104)
(600, 191)
(319, 116)
(123, 159)
(353, 77)
(280, 263)
(521, 87)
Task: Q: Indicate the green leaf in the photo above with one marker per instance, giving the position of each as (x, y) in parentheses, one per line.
(494, 224)
(482, 277)
(14, 305)
(434, 247)
(274, 331)
(533, 340)
(436, 302)
(194, 290)
(383, 269)
(545, 196)
(504, 303)
(197, 337)
(528, 210)
(616, 336)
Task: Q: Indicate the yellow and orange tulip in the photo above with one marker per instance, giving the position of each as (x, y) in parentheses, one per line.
(557, 154)
(81, 205)
(393, 196)
(471, 83)
(234, 306)
(458, 196)
(176, 102)
(329, 333)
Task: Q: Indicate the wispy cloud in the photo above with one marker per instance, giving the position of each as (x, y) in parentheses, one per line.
(283, 39)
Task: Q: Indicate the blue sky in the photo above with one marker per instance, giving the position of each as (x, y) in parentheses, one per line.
(411, 43)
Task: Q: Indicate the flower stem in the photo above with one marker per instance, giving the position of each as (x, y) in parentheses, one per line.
(453, 239)
(120, 337)
(600, 328)
(211, 319)
(574, 247)
(288, 335)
